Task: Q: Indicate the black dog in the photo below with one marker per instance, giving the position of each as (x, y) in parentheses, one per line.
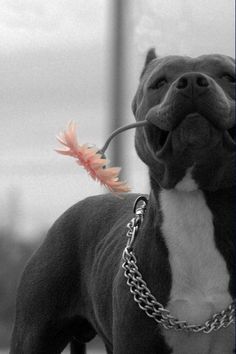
(180, 243)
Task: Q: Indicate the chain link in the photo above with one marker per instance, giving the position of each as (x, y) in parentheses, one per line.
(143, 296)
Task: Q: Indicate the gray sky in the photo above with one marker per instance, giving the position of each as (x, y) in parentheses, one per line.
(186, 27)
(41, 24)
(54, 67)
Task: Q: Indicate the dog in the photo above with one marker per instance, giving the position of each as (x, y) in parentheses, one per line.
(168, 287)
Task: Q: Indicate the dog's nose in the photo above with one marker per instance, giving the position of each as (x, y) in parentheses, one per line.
(192, 83)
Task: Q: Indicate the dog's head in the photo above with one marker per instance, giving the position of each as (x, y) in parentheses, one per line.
(190, 105)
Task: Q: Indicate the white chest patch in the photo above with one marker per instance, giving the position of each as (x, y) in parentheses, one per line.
(200, 278)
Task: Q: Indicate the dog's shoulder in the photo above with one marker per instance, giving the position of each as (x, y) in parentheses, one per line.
(98, 205)
(92, 214)
(81, 227)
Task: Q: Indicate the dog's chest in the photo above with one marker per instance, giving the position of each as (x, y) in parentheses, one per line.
(200, 278)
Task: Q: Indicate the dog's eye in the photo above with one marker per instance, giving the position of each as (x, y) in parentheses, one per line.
(229, 78)
(158, 83)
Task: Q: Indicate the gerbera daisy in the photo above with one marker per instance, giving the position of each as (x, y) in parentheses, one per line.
(92, 159)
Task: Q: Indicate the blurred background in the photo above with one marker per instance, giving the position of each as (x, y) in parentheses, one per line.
(80, 60)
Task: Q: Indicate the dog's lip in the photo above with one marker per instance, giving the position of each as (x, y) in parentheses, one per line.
(228, 139)
(164, 139)
(161, 140)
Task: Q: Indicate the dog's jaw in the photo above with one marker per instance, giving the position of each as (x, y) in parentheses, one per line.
(212, 165)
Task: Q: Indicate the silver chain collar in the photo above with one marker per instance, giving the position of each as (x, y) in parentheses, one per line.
(143, 296)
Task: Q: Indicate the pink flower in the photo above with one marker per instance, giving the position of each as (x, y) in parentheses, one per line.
(92, 160)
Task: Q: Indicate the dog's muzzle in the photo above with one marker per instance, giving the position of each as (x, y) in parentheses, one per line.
(193, 93)
(195, 113)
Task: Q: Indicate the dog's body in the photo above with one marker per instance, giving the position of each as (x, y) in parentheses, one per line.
(74, 286)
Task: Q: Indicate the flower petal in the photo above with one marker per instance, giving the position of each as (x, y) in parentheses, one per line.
(90, 158)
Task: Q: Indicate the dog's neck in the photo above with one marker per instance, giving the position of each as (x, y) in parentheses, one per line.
(192, 217)
(221, 204)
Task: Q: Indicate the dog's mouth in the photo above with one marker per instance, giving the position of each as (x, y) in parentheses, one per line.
(193, 133)
(231, 133)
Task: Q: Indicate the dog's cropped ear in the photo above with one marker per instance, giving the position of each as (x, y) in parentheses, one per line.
(151, 54)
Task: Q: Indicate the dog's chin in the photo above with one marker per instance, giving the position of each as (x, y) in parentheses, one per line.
(194, 145)
(195, 136)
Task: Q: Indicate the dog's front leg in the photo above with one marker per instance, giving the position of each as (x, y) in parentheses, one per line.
(133, 331)
(39, 326)
(47, 314)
